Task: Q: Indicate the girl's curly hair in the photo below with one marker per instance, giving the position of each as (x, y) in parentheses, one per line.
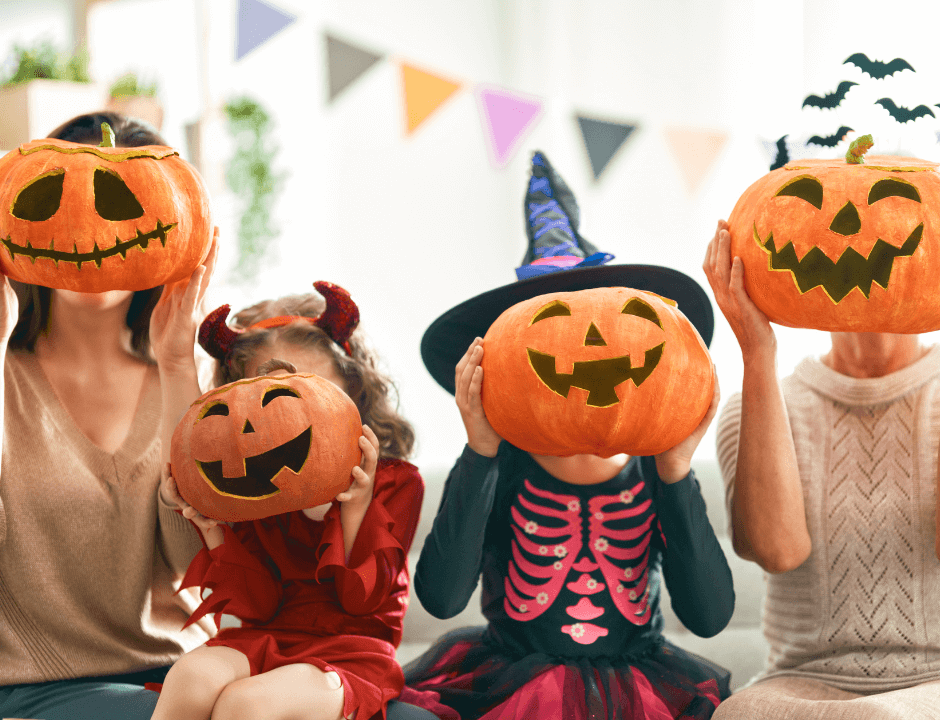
(373, 392)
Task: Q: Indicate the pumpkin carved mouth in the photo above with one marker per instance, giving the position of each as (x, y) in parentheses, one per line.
(259, 469)
(598, 377)
(852, 269)
(97, 255)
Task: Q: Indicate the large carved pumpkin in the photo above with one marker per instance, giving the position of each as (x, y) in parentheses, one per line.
(840, 247)
(600, 371)
(91, 219)
(266, 445)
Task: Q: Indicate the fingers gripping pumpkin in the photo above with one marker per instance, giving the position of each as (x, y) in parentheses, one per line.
(266, 445)
(91, 219)
(843, 247)
(599, 371)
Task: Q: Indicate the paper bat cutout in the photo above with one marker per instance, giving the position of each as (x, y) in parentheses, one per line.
(832, 100)
(875, 68)
(903, 114)
(783, 155)
(831, 140)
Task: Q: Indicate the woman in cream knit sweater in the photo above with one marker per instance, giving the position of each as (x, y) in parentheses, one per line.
(831, 486)
(90, 552)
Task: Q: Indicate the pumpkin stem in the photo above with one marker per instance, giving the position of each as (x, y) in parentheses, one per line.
(858, 148)
(107, 136)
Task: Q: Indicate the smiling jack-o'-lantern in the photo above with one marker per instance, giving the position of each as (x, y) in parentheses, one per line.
(266, 445)
(600, 371)
(843, 247)
(91, 219)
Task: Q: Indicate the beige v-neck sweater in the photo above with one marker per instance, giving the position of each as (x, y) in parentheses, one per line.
(862, 613)
(89, 555)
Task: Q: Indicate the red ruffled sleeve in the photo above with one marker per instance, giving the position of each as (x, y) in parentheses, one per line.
(241, 584)
(381, 549)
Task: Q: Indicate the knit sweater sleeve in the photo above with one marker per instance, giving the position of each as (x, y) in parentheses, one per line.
(726, 441)
(449, 566)
(177, 539)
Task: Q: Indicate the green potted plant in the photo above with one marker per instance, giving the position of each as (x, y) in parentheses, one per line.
(132, 96)
(44, 89)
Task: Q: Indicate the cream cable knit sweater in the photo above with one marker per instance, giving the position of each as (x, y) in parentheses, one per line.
(89, 556)
(863, 612)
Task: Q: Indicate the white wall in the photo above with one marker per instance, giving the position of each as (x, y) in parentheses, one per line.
(413, 225)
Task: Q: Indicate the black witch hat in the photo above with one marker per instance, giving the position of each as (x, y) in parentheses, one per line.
(558, 259)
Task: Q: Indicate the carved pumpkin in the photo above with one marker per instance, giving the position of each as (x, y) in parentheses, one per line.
(266, 445)
(843, 247)
(91, 219)
(600, 371)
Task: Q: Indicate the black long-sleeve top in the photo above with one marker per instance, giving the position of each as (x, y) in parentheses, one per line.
(573, 570)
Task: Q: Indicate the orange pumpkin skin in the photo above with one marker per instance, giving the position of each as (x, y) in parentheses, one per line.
(824, 207)
(155, 229)
(266, 445)
(544, 392)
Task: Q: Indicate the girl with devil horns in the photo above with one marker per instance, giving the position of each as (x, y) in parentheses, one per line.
(321, 592)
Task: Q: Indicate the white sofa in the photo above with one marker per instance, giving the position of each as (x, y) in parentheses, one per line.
(740, 647)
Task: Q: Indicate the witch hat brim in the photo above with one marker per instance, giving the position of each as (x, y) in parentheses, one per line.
(449, 336)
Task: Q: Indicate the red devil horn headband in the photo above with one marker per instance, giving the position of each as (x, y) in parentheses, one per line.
(338, 321)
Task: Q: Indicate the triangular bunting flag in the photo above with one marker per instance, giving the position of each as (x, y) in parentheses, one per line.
(507, 118)
(424, 93)
(695, 151)
(258, 22)
(602, 139)
(345, 63)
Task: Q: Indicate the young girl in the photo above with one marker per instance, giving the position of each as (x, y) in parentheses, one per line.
(571, 550)
(321, 592)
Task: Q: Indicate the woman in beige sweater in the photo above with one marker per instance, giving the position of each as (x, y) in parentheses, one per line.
(831, 485)
(90, 552)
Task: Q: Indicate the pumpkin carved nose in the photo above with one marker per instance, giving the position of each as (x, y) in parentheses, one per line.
(594, 337)
(846, 221)
(248, 428)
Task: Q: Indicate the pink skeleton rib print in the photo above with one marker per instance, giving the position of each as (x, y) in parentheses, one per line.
(595, 552)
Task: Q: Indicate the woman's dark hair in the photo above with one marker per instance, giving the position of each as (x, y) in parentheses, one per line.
(35, 300)
(373, 392)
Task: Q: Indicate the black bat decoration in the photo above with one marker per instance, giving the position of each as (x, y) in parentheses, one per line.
(783, 156)
(875, 68)
(903, 114)
(832, 100)
(832, 140)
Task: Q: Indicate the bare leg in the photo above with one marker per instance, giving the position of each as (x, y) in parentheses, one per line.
(196, 680)
(292, 692)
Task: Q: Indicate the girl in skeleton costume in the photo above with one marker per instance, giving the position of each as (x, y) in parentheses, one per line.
(321, 592)
(571, 550)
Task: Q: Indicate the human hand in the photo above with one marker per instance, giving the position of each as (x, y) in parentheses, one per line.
(169, 493)
(468, 384)
(178, 313)
(674, 464)
(359, 494)
(726, 277)
(9, 309)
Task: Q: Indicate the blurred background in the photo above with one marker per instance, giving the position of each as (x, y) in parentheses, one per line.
(385, 145)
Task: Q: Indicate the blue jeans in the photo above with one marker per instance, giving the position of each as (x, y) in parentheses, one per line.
(114, 697)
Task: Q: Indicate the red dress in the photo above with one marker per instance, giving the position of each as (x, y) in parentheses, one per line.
(286, 578)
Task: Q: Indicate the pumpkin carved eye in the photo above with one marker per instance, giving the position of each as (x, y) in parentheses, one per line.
(806, 188)
(556, 308)
(277, 392)
(218, 409)
(40, 199)
(113, 199)
(892, 188)
(637, 307)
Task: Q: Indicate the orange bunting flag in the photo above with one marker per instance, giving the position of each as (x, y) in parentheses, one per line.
(424, 93)
(695, 152)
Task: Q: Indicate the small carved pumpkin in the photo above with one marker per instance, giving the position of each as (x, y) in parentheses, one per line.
(91, 219)
(843, 247)
(600, 371)
(266, 445)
